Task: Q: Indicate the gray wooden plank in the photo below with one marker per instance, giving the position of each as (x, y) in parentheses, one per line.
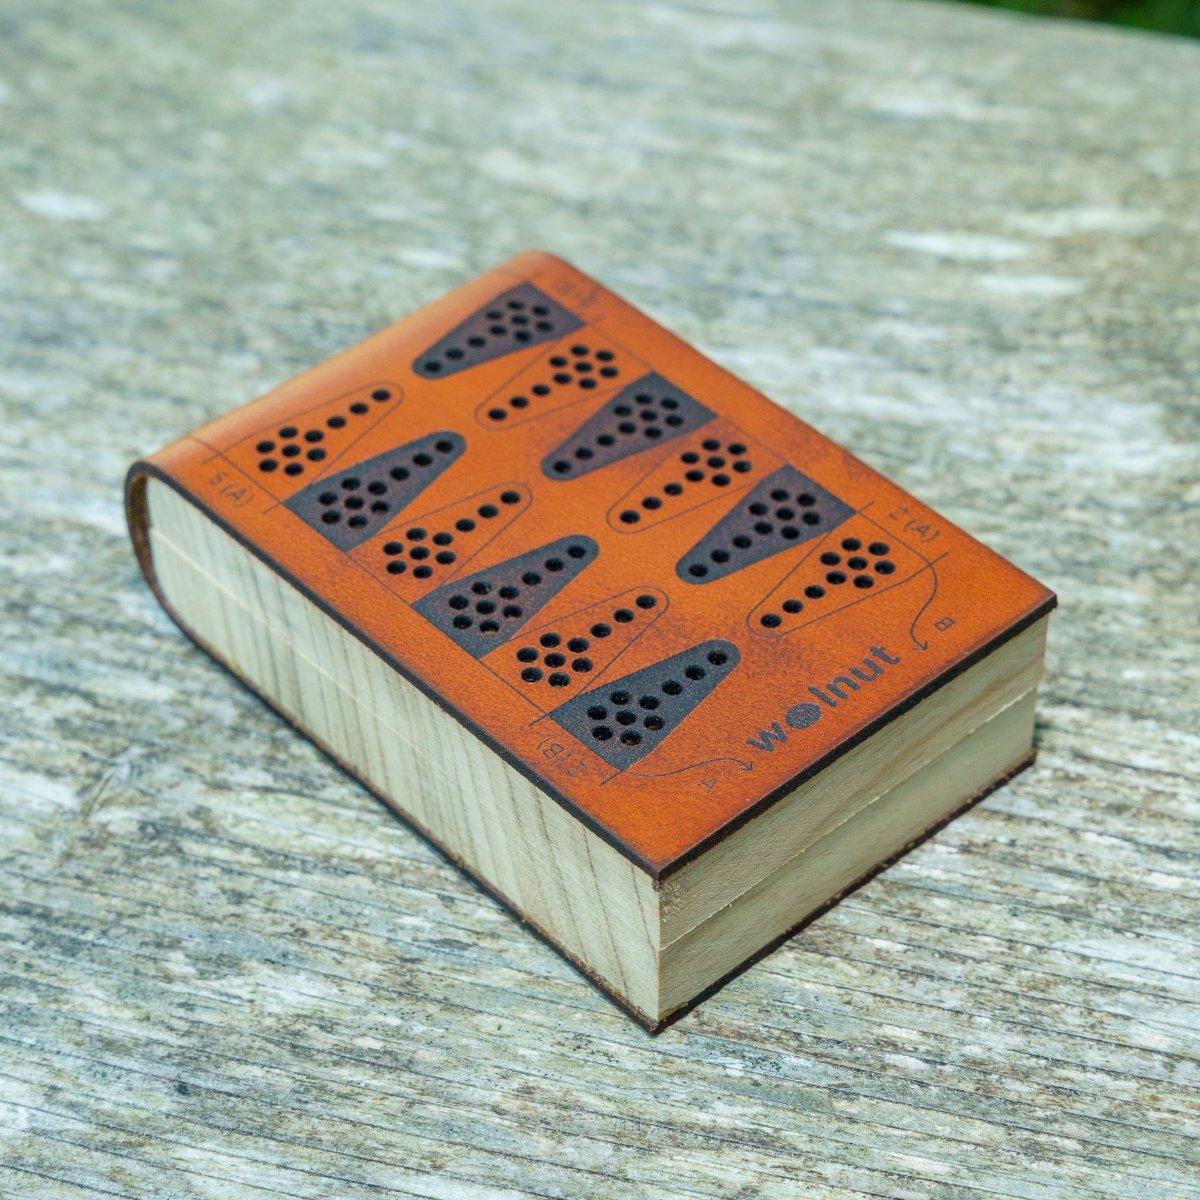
(963, 244)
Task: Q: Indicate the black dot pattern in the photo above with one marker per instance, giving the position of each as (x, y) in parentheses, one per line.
(573, 370)
(702, 469)
(425, 550)
(626, 719)
(483, 610)
(574, 649)
(786, 509)
(857, 562)
(354, 504)
(521, 317)
(642, 415)
(300, 448)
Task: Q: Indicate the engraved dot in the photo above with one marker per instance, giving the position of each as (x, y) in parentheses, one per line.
(558, 679)
(481, 587)
(793, 606)
(581, 665)
(462, 621)
(718, 658)
(597, 712)
(699, 570)
(446, 557)
(673, 489)
(695, 672)
(531, 674)
(293, 468)
(878, 548)
(359, 408)
(397, 568)
(835, 577)
(510, 497)
(602, 733)
(814, 591)
(550, 640)
(631, 737)
(458, 601)
(623, 616)
(336, 422)
(649, 702)
(646, 601)
(885, 567)
(672, 687)
(600, 630)
(332, 517)
(772, 620)
(328, 497)
(265, 447)
(625, 717)
(268, 464)
(488, 511)
(531, 579)
(851, 543)
(464, 525)
(577, 645)
(654, 723)
(620, 699)
(489, 626)
(289, 431)
(863, 581)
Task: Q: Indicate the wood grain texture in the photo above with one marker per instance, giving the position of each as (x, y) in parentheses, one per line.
(964, 245)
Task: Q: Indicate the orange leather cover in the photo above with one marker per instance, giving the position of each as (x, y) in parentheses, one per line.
(657, 594)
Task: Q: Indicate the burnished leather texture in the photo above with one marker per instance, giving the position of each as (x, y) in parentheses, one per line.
(652, 590)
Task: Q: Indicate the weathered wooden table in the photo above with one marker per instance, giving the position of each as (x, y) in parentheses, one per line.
(963, 244)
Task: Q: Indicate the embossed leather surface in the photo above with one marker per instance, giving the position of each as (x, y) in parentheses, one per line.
(655, 592)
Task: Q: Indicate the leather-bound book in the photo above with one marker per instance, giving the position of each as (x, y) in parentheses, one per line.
(663, 668)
